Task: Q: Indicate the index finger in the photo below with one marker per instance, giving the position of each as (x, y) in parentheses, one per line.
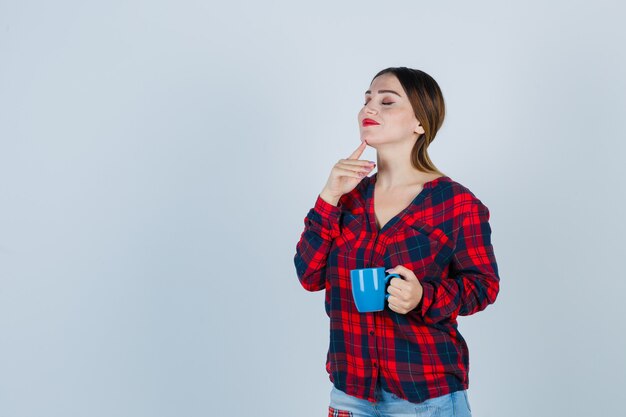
(358, 151)
(398, 283)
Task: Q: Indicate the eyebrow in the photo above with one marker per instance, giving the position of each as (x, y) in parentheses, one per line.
(384, 91)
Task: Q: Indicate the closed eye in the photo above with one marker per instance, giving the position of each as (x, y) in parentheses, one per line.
(383, 103)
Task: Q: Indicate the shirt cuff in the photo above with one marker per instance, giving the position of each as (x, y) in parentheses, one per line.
(325, 209)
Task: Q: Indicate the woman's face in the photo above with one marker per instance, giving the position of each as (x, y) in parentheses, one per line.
(387, 104)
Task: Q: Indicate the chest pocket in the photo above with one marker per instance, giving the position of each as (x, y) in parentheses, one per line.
(424, 249)
(350, 227)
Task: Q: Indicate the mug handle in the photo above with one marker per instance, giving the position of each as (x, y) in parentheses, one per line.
(387, 278)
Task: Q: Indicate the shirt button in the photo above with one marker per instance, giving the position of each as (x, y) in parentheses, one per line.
(371, 332)
(374, 363)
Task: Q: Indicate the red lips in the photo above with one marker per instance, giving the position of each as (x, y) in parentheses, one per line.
(370, 122)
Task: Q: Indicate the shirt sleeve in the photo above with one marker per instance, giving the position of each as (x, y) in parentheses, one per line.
(321, 227)
(473, 281)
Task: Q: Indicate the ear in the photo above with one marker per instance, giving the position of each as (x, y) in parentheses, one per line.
(419, 129)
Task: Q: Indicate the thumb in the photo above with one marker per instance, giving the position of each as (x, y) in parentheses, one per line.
(405, 272)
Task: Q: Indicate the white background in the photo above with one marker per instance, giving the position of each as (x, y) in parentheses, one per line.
(157, 159)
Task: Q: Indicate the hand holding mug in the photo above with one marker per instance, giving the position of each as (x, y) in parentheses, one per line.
(345, 175)
(405, 294)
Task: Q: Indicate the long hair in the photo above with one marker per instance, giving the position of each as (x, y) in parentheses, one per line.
(428, 105)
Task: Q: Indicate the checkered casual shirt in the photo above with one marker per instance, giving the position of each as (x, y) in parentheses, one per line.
(444, 237)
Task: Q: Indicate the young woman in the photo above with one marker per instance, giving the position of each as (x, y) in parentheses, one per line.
(409, 217)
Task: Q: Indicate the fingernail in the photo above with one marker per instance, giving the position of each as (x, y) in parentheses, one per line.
(389, 270)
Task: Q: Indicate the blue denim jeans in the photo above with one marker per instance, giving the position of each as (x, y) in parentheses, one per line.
(454, 404)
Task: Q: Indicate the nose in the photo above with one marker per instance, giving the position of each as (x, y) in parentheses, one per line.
(369, 110)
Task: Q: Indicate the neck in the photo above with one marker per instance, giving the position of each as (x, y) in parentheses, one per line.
(395, 169)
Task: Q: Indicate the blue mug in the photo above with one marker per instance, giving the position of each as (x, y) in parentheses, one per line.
(369, 288)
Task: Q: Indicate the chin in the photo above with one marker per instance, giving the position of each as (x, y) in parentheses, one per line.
(371, 140)
(368, 137)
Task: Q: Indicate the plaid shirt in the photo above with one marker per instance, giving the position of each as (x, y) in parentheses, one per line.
(444, 237)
